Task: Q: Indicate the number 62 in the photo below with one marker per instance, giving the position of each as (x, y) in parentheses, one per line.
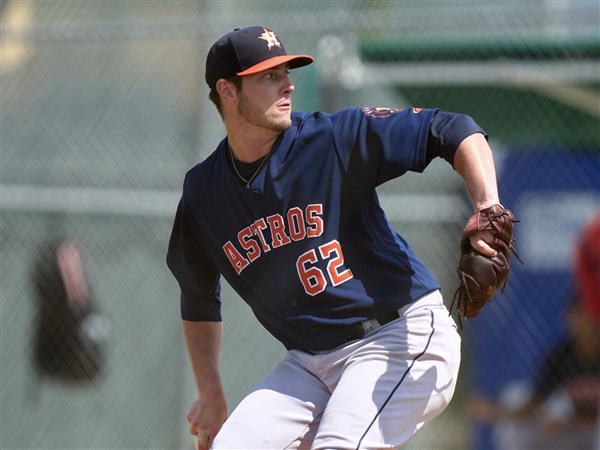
(313, 279)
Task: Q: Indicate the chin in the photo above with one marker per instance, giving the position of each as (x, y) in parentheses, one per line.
(282, 124)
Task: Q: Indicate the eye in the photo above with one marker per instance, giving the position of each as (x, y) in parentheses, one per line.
(276, 75)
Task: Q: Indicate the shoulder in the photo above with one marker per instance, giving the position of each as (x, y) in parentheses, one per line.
(357, 116)
(211, 166)
(322, 118)
(343, 120)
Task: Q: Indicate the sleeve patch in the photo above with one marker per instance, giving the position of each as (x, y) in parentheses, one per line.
(379, 113)
(383, 113)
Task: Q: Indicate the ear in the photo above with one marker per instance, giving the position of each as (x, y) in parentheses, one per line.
(225, 89)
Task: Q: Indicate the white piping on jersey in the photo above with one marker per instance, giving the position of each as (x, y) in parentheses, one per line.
(404, 375)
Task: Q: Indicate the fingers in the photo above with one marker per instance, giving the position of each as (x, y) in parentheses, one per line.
(206, 417)
(480, 242)
(202, 441)
(203, 431)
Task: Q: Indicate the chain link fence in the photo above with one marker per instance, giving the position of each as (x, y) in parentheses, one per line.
(103, 110)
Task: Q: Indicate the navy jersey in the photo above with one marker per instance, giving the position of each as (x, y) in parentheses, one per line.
(307, 244)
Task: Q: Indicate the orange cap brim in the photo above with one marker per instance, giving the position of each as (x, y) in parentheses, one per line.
(294, 61)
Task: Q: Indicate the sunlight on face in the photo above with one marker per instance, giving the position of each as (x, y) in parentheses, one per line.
(264, 100)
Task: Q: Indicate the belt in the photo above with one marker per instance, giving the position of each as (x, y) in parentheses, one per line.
(360, 330)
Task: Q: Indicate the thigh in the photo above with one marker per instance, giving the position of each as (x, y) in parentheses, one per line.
(400, 378)
(281, 412)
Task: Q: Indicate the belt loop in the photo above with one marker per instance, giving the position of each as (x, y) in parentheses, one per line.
(370, 325)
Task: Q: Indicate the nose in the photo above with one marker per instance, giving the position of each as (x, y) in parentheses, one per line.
(288, 86)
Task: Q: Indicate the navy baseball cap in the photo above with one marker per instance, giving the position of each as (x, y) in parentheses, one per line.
(246, 51)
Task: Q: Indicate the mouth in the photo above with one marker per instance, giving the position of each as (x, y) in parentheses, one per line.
(284, 106)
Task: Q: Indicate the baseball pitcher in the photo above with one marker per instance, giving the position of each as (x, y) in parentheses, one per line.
(285, 209)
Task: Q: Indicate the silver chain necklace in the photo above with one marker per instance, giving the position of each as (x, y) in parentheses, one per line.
(247, 182)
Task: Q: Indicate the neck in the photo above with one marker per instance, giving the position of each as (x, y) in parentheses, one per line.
(247, 150)
(248, 145)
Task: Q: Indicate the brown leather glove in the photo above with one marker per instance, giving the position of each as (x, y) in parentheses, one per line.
(481, 276)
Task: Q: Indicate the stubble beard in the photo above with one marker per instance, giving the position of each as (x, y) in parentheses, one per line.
(257, 117)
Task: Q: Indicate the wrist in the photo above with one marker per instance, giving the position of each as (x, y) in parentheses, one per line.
(480, 206)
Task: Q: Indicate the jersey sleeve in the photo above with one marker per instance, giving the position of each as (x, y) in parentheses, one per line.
(198, 277)
(379, 144)
(447, 131)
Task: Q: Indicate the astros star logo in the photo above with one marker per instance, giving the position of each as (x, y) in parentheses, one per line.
(380, 113)
(271, 39)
